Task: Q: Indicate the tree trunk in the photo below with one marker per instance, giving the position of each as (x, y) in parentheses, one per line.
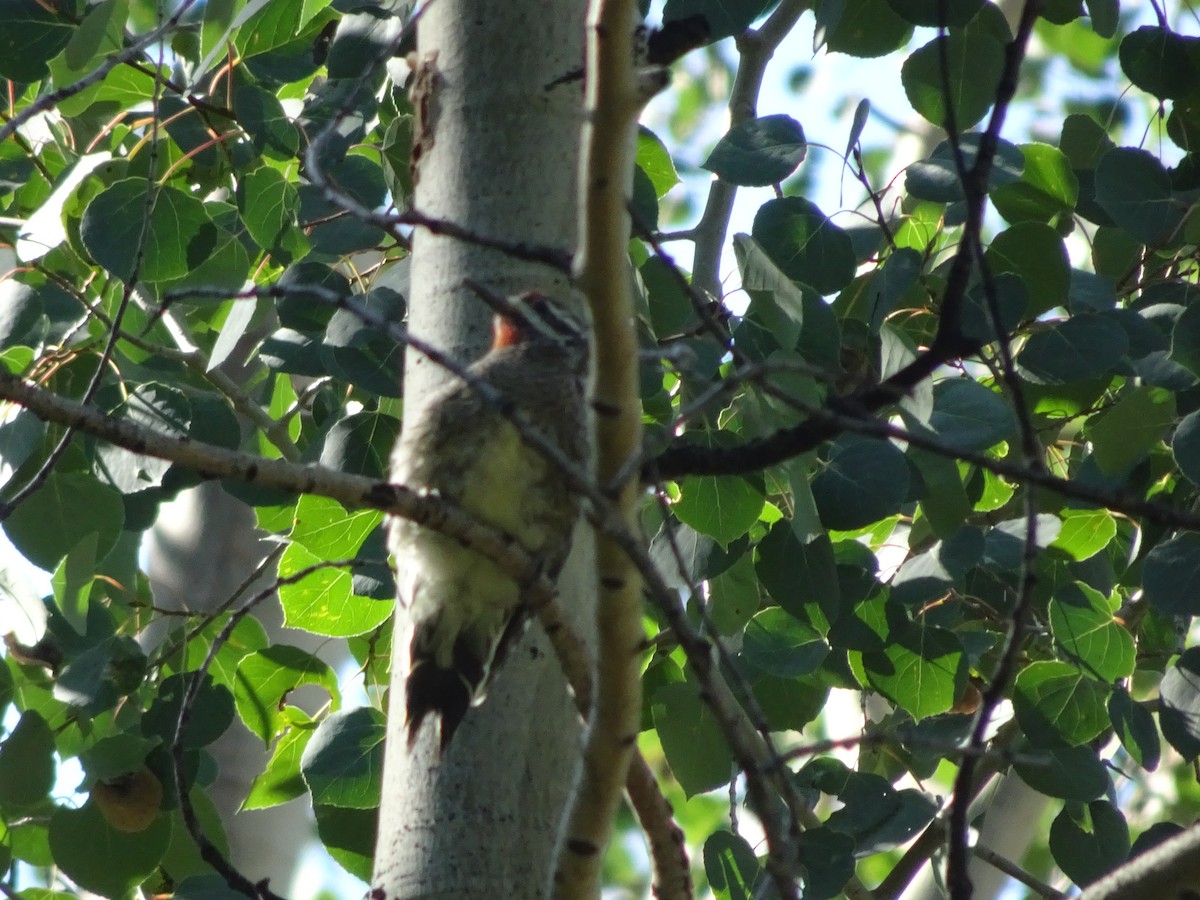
(499, 102)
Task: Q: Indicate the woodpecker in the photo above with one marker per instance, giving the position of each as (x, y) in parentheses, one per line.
(462, 610)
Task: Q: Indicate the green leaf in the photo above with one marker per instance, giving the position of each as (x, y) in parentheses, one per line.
(176, 236)
(26, 764)
(798, 572)
(1134, 726)
(970, 417)
(1185, 446)
(1083, 625)
(281, 780)
(654, 159)
(324, 528)
(1036, 253)
(691, 738)
(731, 867)
(361, 444)
(343, 762)
(1072, 773)
(350, 837)
(1185, 339)
(937, 178)
(1124, 434)
(777, 643)
(323, 602)
(863, 481)
(211, 711)
(1075, 349)
(268, 204)
(1089, 841)
(1133, 187)
(154, 406)
(33, 34)
(1160, 62)
(261, 114)
(68, 508)
(788, 704)
(96, 856)
(1171, 578)
(1057, 704)
(722, 507)
(974, 63)
(865, 28)
(1179, 714)
(804, 244)
(733, 596)
(266, 677)
(1085, 532)
(918, 669)
(758, 152)
(1048, 188)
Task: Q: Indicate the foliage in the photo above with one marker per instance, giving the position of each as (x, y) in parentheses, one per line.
(160, 229)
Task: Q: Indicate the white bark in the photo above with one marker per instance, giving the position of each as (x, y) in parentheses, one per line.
(498, 157)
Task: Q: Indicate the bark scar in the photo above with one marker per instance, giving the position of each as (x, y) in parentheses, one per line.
(424, 100)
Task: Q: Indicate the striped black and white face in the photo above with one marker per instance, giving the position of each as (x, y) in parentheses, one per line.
(539, 321)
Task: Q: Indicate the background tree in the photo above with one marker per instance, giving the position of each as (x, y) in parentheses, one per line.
(930, 465)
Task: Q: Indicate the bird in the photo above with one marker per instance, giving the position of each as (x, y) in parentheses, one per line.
(462, 611)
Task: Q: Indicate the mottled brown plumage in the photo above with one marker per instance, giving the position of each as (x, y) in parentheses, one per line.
(462, 610)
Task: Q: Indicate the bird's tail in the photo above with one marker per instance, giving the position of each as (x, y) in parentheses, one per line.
(449, 692)
(445, 692)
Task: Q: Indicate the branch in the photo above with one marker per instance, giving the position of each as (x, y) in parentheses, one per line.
(614, 98)
(756, 49)
(1168, 870)
(975, 187)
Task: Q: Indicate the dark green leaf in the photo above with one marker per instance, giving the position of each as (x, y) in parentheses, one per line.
(1179, 715)
(96, 856)
(1089, 841)
(1124, 434)
(1081, 347)
(1036, 253)
(1133, 187)
(1185, 446)
(974, 61)
(177, 235)
(759, 151)
(777, 643)
(361, 444)
(350, 837)
(1134, 726)
(968, 416)
(26, 764)
(68, 508)
(1159, 61)
(33, 34)
(724, 17)
(863, 480)
(804, 244)
(1072, 773)
(1172, 576)
(691, 739)
(343, 761)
